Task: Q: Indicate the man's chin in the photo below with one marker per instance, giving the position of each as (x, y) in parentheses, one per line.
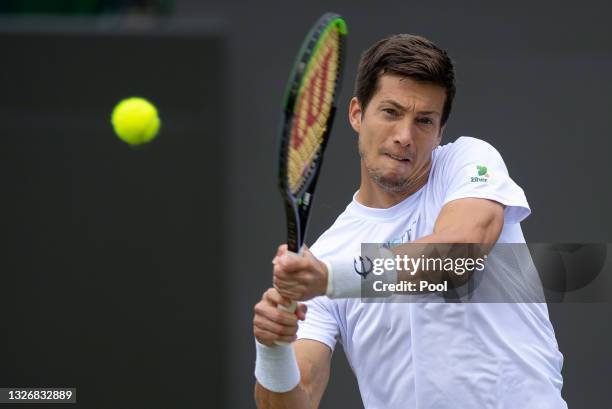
(390, 180)
(393, 185)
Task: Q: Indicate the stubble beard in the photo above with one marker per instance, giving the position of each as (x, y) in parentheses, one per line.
(396, 184)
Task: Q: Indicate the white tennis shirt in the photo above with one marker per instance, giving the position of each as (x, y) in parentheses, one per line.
(440, 355)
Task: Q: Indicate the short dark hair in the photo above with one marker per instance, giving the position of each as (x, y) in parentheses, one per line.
(409, 56)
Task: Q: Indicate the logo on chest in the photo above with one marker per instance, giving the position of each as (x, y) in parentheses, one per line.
(406, 237)
(364, 266)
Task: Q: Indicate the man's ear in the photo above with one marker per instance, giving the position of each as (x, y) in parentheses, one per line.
(355, 114)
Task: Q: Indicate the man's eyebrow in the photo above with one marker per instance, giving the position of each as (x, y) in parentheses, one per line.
(392, 102)
(403, 109)
(436, 113)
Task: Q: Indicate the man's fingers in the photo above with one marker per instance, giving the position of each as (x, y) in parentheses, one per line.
(273, 327)
(282, 249)
(276, 315)
(291, 271)
(274, 297)
(290, 263)
(267, 338)
(272, 324)
(289, 290)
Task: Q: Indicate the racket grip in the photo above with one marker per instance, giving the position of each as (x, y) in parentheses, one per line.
(293, 305)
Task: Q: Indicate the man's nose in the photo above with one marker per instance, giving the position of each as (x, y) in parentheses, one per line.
(404, 134)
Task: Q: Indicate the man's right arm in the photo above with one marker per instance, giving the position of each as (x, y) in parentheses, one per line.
(313, 358)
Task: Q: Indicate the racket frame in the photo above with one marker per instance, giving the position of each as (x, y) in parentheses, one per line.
(298, 205)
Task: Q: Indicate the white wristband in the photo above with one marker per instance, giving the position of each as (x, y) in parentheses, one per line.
(276, 368)
(343, 281)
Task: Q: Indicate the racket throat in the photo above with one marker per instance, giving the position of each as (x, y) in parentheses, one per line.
(298, 213)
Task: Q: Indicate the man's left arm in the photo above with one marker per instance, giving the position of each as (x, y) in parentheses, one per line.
(466, 228)
(468, 220)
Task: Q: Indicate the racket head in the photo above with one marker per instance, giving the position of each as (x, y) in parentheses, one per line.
(308, 110)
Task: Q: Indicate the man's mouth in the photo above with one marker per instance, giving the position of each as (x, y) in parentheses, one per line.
(399, 157)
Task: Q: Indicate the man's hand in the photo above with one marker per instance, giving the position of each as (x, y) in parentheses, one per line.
(299, 277)
(271, 324)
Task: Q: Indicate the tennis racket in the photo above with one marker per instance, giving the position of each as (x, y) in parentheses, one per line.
(308, 114)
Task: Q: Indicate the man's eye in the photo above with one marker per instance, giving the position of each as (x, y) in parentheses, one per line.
(390, 111)
(425, 121)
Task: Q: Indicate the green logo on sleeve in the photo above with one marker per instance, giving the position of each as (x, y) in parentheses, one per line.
(483, 174)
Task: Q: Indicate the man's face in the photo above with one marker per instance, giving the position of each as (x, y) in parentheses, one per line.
(398, 131)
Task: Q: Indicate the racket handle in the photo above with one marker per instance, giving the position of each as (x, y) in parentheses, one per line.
(291, 308)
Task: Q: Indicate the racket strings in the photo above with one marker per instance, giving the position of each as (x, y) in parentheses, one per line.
(313, 108)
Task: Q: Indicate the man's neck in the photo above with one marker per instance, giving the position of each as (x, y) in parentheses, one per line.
(372, 195)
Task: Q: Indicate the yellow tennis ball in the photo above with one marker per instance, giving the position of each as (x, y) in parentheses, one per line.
(135, 120)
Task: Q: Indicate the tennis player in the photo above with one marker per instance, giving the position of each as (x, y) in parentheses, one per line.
(425, 355)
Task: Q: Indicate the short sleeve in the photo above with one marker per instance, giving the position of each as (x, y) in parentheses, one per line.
(320, 323)
(474, 168)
